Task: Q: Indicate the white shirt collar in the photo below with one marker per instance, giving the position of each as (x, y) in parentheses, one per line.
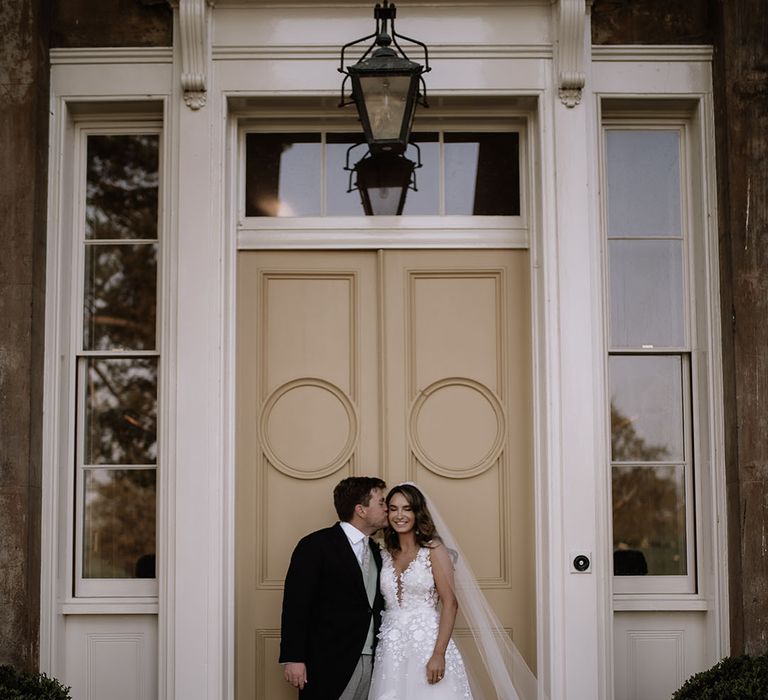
(353, 534)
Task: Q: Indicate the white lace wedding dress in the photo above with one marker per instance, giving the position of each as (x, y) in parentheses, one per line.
(407, 637)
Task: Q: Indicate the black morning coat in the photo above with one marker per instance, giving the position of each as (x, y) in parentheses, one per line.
(326, 614)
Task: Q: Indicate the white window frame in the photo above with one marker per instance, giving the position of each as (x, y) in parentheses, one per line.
(84, 588)
(686, 587)
(376, 232)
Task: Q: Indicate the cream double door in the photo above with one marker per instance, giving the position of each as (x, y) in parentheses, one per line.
(409, 365)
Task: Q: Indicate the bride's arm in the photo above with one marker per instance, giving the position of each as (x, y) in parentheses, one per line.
(442, 570)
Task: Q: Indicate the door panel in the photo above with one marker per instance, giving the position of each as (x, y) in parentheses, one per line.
(307, 415)
(458, 411)
(414, 365)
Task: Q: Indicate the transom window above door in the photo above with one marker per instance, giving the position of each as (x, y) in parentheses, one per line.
(292, 174)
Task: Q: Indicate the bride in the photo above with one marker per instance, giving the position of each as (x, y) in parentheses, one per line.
(424, 579)
(416, 657)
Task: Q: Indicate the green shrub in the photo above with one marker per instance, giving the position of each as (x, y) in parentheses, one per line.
(20, 685)
(733, 678)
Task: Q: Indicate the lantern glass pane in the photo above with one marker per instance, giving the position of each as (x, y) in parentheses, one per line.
(384, 201)
(386, 99)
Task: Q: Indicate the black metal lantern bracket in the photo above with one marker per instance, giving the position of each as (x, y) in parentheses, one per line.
(353, 169)
(385, 36)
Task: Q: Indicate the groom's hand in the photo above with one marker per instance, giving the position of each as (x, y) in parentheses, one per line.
(296, 674)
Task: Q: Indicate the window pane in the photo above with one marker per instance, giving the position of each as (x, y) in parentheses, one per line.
(122, 186)
(119, 523)
(482, 174)
(282, 174)
(121, 411)
(339, 202)
(120, 297)
(426, 199)
(649, 521)
(643, 177)
(646, 409)
(646, 294)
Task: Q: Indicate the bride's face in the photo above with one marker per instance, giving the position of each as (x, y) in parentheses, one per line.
(400, 513)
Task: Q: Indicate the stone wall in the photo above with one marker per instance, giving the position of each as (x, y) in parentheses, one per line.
(83, 23)
(23, 173)
(741, 119)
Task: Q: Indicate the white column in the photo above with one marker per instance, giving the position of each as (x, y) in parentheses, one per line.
(193, 619)
(579, 622)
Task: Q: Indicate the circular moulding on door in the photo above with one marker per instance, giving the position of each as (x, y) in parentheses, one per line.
(308, 428)
(457, 427)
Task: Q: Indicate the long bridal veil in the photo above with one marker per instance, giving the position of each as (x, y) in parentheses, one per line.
(508, 671)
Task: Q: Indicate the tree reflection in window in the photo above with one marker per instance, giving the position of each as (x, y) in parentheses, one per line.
(122, 186)
(121, 411)
(119, 384)
(119, 528)
(648, 506)
(120, 297)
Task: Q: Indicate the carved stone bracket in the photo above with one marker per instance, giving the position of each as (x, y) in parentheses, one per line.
(571, 50)
(195, 49)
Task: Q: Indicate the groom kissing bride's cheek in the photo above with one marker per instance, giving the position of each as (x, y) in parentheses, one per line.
(366, 620)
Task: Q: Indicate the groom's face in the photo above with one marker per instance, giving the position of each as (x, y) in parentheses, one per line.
(375, 513)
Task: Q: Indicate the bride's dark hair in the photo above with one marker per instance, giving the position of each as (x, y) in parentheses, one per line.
(423, 527)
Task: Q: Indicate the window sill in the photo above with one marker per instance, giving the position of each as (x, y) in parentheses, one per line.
(110, 606)
(656, 602)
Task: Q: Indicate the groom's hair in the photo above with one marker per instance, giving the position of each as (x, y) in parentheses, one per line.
(353, 490)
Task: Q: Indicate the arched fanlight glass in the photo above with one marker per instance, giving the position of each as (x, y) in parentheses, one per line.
(386, 84)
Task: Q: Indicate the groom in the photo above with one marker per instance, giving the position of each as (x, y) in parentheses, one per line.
(331, 603)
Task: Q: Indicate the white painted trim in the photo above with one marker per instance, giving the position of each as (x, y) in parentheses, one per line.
(329, 238)
(168, 428)
(545, 375)
(648, 52)
(233, 159)
(193, 21)
(656, 603)
(109, 606)
(346, 4)
(297, 52)
(603, 487)
(716, 427)
(100, 56)
(50, 637)
(572, 44)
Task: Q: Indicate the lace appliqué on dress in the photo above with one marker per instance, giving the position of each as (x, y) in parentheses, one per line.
(407, 637)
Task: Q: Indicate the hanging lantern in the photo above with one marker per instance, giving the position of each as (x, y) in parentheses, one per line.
(385, 85)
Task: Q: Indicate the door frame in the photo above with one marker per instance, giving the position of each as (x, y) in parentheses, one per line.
(574, 630)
